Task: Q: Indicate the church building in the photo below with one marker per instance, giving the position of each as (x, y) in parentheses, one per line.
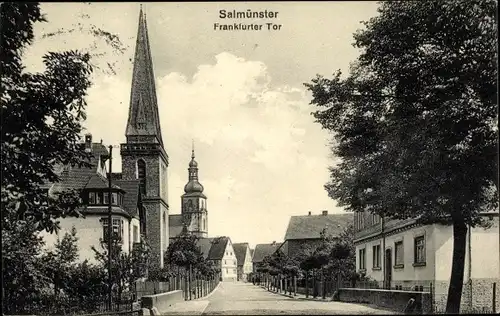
(140, 198)
(194, 213)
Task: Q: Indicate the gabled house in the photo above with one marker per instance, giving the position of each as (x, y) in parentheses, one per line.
(220, 251)
(128, 216)
(244, 260)
(261, 251)
(305, 231)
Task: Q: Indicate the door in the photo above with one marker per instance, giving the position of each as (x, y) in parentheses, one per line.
(388, 268)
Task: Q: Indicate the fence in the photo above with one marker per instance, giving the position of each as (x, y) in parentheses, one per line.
(125, 305)
(315, 285)
(478, 296)
(192, 286)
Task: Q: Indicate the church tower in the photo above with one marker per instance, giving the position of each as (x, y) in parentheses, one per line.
(143, 156)
(194, 203)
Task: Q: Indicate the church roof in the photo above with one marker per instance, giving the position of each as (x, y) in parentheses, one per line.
(143, 117)
(262, 250)
(175, 225)
(240, 250)
(310, 226)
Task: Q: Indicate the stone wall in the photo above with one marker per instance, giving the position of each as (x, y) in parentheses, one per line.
(477, 296)
(392, 299)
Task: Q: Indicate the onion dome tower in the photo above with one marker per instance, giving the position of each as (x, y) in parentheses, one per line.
(194, 202)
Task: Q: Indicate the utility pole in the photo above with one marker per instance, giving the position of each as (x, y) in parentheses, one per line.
(110, 228)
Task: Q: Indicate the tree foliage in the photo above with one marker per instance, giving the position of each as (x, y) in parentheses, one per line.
(126, 267)
(415, 120)
(184, 253)
(39, 111)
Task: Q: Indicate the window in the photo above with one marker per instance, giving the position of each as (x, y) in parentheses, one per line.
(92, 199)
(362, 258)
(114, 198)
(136, 233)
(204, 224)
(399, 253)
(117, 228)
(227, 271)
(141, 175)
(420, 249)
(106, 198)
(376, 257)
(98, 196)
(224, 261)
(376, 219)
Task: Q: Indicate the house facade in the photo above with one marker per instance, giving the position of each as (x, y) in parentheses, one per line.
(220, 250)
(244, 260)
(304, 232)
(401, 254)
(128, 216)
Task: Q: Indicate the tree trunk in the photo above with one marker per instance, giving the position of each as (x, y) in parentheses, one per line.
(457, 268)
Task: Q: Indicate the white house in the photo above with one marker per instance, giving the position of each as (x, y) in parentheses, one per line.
(401, 254)
(244, 260)
(128, 217)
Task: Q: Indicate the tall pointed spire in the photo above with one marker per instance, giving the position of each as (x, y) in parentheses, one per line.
(143, 117)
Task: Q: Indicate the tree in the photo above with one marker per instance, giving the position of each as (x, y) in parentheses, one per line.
(58, 263)
(23, 279)
(39, 111)
(415, 120)
(184, 252)
(126, 267)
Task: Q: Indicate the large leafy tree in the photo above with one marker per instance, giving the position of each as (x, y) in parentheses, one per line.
(39, 112)
(415, 120)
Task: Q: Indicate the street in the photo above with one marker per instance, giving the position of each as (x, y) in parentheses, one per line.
(247, 299)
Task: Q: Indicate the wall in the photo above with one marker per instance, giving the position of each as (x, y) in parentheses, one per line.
(229, 264)
(157, 235)
(408, 273)
(395, 300)
(477, 293)
(89, 231)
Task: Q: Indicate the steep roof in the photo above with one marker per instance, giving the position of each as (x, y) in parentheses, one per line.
(76, 177)
(174, 225)
(310, 226)
(240, 250)
(205, 244)
(262, 250)
(143, 117)
(218, 247)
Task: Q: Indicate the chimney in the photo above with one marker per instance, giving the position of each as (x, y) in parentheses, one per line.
(274, 242)
(88, 142)
(309, 213)
(324, 212)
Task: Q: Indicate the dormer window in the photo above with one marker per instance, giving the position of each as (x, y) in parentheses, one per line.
(102, 198)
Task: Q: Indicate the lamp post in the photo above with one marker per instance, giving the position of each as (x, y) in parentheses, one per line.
(110, 228)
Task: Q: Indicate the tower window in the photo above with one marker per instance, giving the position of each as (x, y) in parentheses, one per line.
(141, 175)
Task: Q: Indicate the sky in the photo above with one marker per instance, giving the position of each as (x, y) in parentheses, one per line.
(239, 95)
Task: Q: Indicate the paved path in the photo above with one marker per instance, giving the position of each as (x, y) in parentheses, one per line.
(237, 298)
